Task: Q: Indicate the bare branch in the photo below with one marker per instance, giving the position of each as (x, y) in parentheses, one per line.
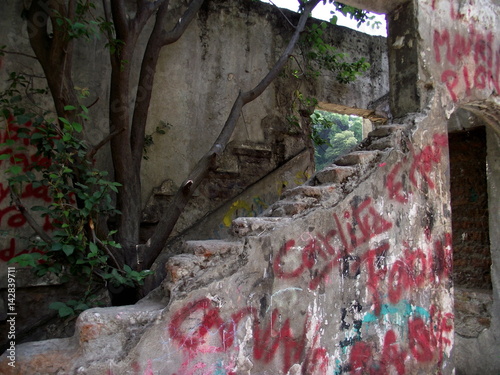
(30, 219)
(181, 26)
(283, 14)
(20, 54)
(119, 12)
(105, 248)
(104, 141)
(108, 17)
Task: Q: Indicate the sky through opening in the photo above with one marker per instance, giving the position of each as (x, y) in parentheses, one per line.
(322, 11)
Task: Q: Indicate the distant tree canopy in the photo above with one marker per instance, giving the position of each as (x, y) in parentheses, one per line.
(333, 135)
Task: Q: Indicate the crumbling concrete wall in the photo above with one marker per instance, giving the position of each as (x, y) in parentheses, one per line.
(229, 47)
(349, 273)
(462, 60)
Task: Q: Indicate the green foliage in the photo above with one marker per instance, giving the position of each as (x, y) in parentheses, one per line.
(161, 129)
(81, 195)
(357, 14)
(322, 55)
(333, 135)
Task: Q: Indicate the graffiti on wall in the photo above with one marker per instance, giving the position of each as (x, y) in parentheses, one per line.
(212, 333)
(18, 149)
(470, 57)
(383, 332)
(417, 170)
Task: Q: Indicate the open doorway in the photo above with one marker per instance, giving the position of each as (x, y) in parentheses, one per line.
(336, 129)
(472, 179)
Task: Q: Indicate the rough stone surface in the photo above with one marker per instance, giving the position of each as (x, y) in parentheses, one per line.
(334, 174)
(196, 82)
(360, 282)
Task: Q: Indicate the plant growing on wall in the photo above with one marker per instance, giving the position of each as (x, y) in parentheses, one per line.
(80, 193)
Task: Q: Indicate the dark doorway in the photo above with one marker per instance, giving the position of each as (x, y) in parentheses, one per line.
(469, 203)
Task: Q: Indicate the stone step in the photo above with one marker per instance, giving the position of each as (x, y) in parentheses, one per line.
(253, 226)
(357, 158)
(381, 144)
(254, 150)
(317, 192)
(207, 261)
(289, 208)
(209, 248)
(385, 130)
(334, 174)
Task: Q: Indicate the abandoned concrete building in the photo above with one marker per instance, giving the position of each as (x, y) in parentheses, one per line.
(385, 262)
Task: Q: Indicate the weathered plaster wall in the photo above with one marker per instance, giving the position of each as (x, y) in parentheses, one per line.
(462, 57)
(197, 79)
(229, 47)
(221, 64)
(349, 273)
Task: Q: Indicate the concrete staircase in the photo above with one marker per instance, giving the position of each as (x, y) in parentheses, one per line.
(205, 261)
(109, 335)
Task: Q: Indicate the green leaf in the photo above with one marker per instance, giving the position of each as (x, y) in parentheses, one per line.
(57, 305)
(15, 170)
(27, 260)
(93, 248)
(78, 127)
(82, 306)
(69, 107)
(64, 121)
(66, 311)
(23, 119)
(68, 249)
(56, 246)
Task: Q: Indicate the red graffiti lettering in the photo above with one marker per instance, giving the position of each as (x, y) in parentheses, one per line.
(396, 188)
(421, 340)
(470, 59)
(420, 169)
(10, 252)
(363, 361)
(392, 355)
(416, 267)
(209, 320)
(15, 220)
(424, 161)
(377, 270)
(427, 342)
(23, 154)
(199, 328)
(318, 255)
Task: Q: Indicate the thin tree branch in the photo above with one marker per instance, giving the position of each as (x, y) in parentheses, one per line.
(18, 53)
(119, 12)
(98, 146)
(283, 14)
(30, 219)
(181, 26)
(108, 17)
(145, 85)
(103, 246)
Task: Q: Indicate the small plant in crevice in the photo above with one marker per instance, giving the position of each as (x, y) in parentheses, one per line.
(161, 129)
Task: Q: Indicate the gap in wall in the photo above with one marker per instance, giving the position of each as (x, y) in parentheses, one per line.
(470, 227)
